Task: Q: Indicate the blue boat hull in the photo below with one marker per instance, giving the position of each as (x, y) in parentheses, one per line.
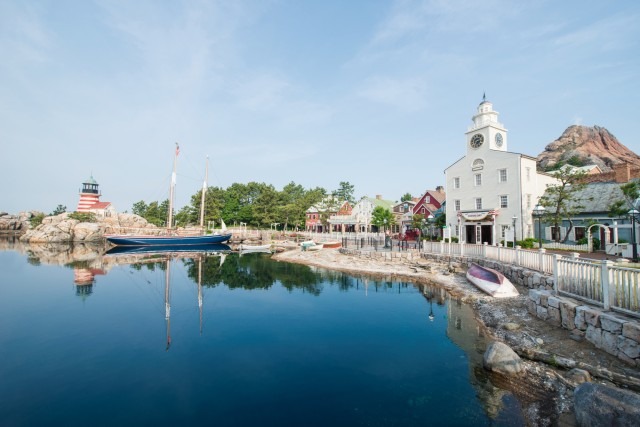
(168, 240)
(160, 249)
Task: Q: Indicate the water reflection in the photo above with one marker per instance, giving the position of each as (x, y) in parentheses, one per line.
(210, 269)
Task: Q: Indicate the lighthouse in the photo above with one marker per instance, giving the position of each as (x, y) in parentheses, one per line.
(89, 195)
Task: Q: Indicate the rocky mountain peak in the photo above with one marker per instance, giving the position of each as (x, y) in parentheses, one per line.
(586, 145)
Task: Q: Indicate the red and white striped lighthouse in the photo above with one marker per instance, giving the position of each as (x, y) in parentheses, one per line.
(89, 195)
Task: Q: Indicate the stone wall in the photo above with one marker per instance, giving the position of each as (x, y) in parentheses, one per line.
(614, 333)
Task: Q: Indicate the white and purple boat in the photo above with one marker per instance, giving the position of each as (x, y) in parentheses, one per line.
(491, 281)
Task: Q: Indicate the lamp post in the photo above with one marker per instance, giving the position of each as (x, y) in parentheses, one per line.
(431, 219)
(513, 221)
(632, 213)
(538, 211)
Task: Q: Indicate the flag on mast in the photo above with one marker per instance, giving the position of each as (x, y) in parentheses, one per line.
(177, 149)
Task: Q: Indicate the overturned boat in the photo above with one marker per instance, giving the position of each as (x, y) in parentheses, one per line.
(491, 281)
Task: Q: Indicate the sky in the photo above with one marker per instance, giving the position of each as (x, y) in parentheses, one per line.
(378, 93)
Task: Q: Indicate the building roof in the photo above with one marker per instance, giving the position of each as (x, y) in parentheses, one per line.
(598, 196)
(100, 205)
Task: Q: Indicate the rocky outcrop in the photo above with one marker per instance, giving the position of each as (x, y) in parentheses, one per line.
(15, 223)
(500, 358)
(584, 145)
(62, 228)
(599, 405)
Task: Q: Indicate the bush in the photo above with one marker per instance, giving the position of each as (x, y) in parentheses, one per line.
(528, 243)
(596, 244)
(36, 220)
(83, 216)
(582, 241)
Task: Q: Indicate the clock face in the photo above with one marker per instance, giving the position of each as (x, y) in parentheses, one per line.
(499, 139)
(476, 141)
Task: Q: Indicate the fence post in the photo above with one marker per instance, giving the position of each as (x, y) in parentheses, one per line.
(517, 255)
(607, 294)
(556, 275)
(461, 246)
(484, 249)
(541, 253)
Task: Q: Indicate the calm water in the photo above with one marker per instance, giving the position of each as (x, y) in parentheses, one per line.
(84, 341)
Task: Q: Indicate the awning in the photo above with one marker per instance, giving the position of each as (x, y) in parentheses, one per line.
(477, 216)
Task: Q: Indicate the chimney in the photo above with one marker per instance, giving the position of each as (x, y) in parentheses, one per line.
(378, 196)
(440, 189)
(622, 172)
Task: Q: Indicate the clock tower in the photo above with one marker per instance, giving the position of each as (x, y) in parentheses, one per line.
(486, 132)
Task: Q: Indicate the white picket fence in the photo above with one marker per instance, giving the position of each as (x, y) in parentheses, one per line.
(598, 282)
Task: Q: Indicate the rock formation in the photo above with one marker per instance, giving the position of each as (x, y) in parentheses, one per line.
(584, 145)
(62, 228)
(15, 223)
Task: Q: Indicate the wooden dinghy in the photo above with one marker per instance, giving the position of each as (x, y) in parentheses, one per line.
(332, 244)
(491, 281)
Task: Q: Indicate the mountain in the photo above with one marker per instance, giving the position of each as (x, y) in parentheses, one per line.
(585, 145)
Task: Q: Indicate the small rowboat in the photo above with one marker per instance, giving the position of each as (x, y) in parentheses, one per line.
(332, 245)
(315, 247)
(262, 248)
(491, 281)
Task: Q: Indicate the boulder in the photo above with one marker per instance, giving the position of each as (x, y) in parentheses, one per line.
(499, 357)
(600, 405)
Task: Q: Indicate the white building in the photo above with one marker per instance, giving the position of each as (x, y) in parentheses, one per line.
(490, 186)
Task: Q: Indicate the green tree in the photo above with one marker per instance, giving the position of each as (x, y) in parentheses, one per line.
(630, 195)
(562, 200)
(407, 197)
(60, 209)
(345, 192)
(416, 221)
(382, 218)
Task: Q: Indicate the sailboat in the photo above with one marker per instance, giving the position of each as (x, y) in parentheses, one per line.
(171, 238)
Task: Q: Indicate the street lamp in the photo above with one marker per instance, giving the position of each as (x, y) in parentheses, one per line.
(632, 213)
(513, 221)
(431, 219)
(538, 211)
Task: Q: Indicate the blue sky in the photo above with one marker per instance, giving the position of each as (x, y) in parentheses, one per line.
(375, 92)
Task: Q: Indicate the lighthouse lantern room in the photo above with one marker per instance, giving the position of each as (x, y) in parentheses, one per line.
(89, 195)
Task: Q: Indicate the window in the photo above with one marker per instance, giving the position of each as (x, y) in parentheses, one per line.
(580, 233)
(502, 175)
(528, 172)
(456, 204)
(456, 182)
(555, 233)
(427, 199)
(478, 179)
(457, 230)
(528, 201)
(503, 231)
(504, 201)
(478, 203)
(478, 164)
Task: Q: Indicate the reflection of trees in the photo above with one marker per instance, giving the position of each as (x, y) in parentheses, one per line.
(254, 271)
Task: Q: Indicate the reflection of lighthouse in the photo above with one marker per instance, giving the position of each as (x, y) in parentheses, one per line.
(89, 195)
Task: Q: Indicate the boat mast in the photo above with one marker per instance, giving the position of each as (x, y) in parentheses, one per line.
(167, 304)
(204, 190)
(172, 188)
(200, 290)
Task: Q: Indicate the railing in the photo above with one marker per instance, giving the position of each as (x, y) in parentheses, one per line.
(601, 283)
(565, 247)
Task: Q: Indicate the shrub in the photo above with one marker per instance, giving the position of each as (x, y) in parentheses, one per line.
(36, 219)
(83, 216)
(596, 244)
(528, 243)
